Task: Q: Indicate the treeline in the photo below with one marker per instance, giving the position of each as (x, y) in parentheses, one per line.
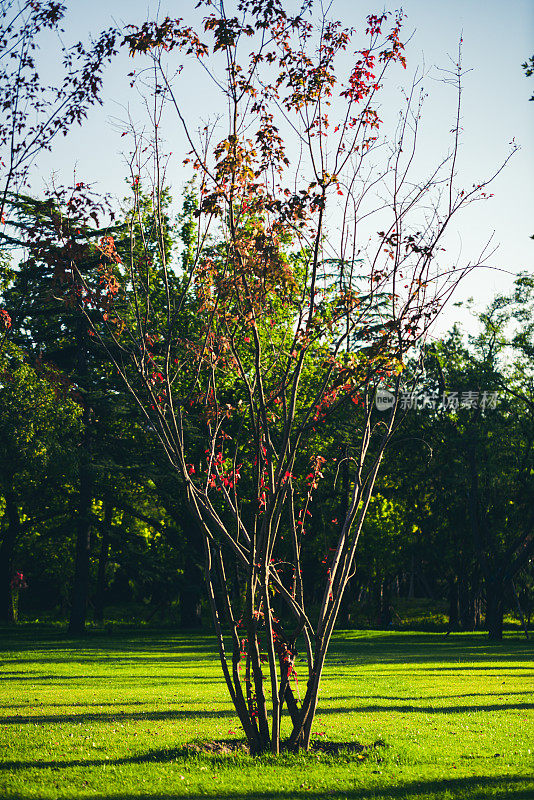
(93, 520)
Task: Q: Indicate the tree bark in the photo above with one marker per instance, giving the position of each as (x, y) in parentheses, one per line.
(454, 616)
(466, 605)
(520, 610)
(191, 605)
(348, 597)
(411, 590)
(384, 604)
(103, 563)
(80, 585)
(8, 611)
(344, 617)
(494, 608)
(192, 584)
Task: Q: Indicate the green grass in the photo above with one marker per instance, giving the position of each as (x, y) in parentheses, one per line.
(110, 716)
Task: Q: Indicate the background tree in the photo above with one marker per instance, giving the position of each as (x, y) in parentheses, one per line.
(51, 328)
(112, 468)
(38, 425)
(500, 492)
(476, 475)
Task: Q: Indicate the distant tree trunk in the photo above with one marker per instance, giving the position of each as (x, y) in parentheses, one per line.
(192, 585)
(520, 610)
(8, 611)
(494, 608)
(80, 586)
(385, 610)
(411, 590)
(466, 606)
(103, 563)
(463, 603)
(477, 609)
(425, 584)
(191, 605)
(343, 619)
(454, 617)
(383, 604)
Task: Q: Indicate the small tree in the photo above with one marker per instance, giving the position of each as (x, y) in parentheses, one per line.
(272, 322)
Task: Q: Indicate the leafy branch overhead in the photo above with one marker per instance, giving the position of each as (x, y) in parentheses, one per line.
(528, 66)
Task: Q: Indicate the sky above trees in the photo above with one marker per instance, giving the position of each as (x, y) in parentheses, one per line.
(497, 39)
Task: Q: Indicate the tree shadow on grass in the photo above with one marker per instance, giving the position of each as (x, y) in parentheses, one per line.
(177, 714)
(168, 646)
(106, 657)
(118, 716)
(487, 667)
(29, 706)
(406, 698)
(218, 752)
(154, 756)
(28, 638)
(499, 787)
(38, 677)
(331, 710)
(456, 709)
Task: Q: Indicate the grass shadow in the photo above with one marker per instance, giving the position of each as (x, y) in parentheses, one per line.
(499, 787)
(119, 716)
(403, 709)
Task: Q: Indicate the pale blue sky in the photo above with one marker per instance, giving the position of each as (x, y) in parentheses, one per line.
(497, 38)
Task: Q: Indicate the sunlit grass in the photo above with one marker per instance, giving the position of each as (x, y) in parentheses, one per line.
(111, 717)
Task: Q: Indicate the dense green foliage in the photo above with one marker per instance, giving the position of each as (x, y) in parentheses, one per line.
(450, 522)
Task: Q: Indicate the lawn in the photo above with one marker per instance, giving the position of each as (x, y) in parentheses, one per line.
(114, 716)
